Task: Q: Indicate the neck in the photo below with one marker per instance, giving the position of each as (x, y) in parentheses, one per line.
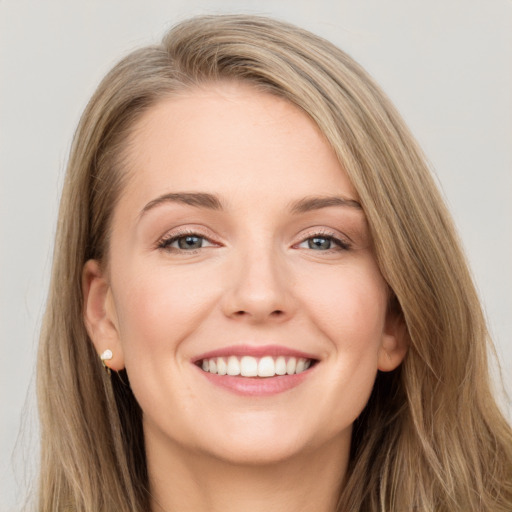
(184, 481)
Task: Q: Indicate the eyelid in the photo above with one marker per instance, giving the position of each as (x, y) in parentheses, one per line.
(343, 241)
(175, 234)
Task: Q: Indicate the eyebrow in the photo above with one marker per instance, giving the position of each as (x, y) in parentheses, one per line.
(198, 199)
(212, 202)
(312, 203)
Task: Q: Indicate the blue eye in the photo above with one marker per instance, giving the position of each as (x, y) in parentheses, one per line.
(187, 242)
(324, 243)
(320, 243)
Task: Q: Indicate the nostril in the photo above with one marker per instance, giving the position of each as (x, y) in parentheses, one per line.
(277, 313)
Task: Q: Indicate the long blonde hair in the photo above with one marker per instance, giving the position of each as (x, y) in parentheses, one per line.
(431, 437)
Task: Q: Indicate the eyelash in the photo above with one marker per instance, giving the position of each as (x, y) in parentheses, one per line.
(166, 242)
(341, 245)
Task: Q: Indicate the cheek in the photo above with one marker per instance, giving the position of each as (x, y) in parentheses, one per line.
(348, 306)
(351, 316)
(158, 310)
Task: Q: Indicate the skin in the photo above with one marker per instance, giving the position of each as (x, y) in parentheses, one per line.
(256, 280)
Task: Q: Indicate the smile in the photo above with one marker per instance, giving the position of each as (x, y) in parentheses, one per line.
(249, 366)
(261, 370)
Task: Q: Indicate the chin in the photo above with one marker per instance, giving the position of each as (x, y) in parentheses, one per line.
(264, 441)
(256, 452)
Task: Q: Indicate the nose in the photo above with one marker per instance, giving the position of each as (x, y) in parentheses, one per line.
(259, 289)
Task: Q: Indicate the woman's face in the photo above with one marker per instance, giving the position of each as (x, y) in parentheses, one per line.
(238, 245)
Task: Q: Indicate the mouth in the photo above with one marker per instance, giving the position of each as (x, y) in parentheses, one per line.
(256, 370)
(266, 366)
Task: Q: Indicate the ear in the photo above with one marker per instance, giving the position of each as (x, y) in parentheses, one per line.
(394, 343)
(100, 315)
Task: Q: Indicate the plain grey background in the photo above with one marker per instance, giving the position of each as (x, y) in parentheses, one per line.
(447, 65)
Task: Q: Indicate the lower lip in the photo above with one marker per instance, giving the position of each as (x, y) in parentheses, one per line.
(257, 386)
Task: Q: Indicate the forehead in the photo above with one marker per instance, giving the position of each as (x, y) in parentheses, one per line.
(229, 139)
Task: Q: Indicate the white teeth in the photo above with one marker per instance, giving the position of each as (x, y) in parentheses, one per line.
(222, 367)
(233, 366)
(248, 366)
(281, 366)
(266, 367)
(291, 365)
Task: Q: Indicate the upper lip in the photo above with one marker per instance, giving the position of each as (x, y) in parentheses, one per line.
(254, 351)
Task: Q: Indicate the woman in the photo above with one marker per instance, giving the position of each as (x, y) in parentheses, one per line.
(251, 245)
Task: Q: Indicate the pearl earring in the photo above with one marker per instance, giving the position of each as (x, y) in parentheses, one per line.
(106, 356)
